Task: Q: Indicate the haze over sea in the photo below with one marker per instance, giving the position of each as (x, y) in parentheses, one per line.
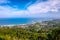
(15, 21)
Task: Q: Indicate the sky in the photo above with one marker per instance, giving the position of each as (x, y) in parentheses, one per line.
(29, 8)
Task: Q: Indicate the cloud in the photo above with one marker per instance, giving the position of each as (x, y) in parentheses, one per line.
(4, 1)
(7, 11)
(44, 7)
(38, 9)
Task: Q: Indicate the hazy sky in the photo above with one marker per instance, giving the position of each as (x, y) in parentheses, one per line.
(29, 8)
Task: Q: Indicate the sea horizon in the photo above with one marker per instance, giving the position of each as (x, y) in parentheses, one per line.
(18, 21)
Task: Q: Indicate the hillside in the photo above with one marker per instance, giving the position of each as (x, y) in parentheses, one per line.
(46, 30)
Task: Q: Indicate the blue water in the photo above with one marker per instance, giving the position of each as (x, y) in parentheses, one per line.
(9, 21)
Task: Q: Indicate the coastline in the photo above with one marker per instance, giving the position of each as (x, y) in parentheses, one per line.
(33, 22)
(17, 24)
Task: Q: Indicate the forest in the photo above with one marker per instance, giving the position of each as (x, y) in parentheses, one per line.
(46, 30)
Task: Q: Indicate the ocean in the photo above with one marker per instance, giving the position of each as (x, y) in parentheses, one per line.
(10, 21)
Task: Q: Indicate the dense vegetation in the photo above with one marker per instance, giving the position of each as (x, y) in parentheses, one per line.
(32, 32)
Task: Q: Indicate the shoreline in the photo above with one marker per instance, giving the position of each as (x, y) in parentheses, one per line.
(17, 24)
(33, 22)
